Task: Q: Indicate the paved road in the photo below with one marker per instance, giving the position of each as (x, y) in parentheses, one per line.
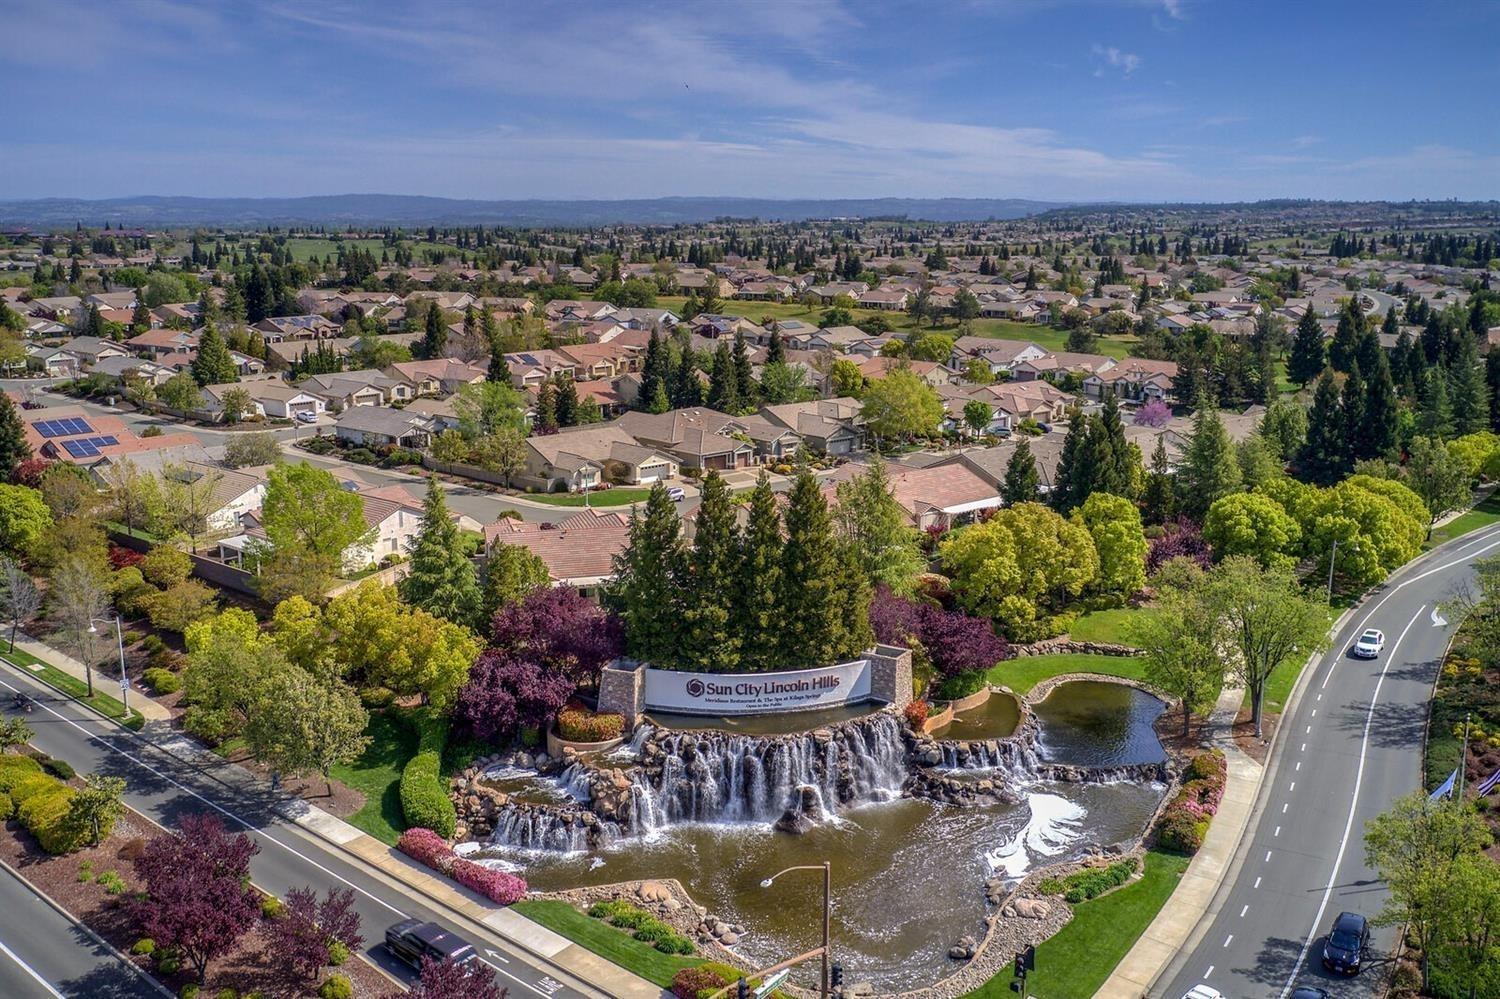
(1352, 745)
(44, 954)
(164, 789)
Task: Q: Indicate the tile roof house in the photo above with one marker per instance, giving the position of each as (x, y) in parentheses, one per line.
(578, 552)
(829, 426)
(698, 438)
(943, 495)
(1134, 378)
(376, 426)
(589, 456)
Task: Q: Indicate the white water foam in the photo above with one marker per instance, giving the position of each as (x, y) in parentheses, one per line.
(1054, 824)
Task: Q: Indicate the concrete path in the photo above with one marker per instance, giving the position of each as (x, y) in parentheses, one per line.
(1185, 909)
(105, 681)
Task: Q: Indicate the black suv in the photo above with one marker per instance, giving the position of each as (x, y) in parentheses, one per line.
(1346, 944)
(412, 940)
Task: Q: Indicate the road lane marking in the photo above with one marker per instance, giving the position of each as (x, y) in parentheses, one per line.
(1284, 805)
(255, 829)
(1243, 910)
(1359, 776)
(1268, 857)
(1292, 788)
(1228, 939)
(1320, 697)
(1313, 715)
(1277, 832)
(1304, 745)
(1257, 882)
(1299, 765)
(1308, 732)
(1210, 971)
(30, 971)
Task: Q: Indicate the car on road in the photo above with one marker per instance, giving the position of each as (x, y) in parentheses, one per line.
(676, 494)
(1347, 941)
(412, 940)
(1203, 992)
(303, 416)
(1369, 643)
(1309, 992)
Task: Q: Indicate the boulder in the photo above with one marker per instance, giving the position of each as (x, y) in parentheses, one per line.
(1030, 908)
(652, 891)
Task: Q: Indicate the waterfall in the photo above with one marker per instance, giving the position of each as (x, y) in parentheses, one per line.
(1014, 756)
(535, 828)
(707, 776)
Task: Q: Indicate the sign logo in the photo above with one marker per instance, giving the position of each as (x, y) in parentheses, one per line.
(695, 688)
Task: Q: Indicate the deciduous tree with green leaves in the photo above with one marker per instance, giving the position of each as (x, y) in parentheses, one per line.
(1252, 524)
(304, 724)
(1179, 648)
(510, 572)
(901, 406)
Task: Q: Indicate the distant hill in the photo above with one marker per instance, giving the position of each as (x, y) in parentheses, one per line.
(411, 210)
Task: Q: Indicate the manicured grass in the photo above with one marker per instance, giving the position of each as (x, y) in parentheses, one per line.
(605, 497)
(1077, 961)
(1483, 515)
(377, 773)
(75, 688)
(606, 941)
(1026, 672)
(1107, 625)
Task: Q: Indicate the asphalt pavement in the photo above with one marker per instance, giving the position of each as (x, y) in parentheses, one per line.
(165, 788)
(1351, 745)
(45, 954)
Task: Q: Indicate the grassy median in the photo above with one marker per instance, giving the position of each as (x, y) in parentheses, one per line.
(607, 941)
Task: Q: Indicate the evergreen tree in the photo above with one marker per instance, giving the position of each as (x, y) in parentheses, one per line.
(1467, 390)
(723, 386)
(776, 351)
(1341, 352)
(13, 446)
(1209, 469)
(1382, 413)
(1263, 386)
(852, 618)
(1072, 483)
(1308, 354)
(1118, 474)
(499, 371)
(213, 365)
(707, 641)
(442, 580)
(1492, 380)
(1160, 500)
(647, 591)
(140, 318)
(757, 607)
(565, 398)
(1405, 380)
(654, 369)
(1352, 405)
(687, 389)
(1325, 458)
(1434, 410)
(510, 573)
(545, 421)
(1022, 481)
(435, 333)
(745, 389)
(811, 576)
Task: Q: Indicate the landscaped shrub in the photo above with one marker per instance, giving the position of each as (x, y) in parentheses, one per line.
(375, 698)
(916, 714)
(336, 987)
(642, 926)
(31, 785)
(165, 566)
(162, 681)
(144, 947)
(424, 799)
(190, 991)
(689, 983)
(1091, 882)
(423, 845)
(1184, 822)
(401, 456)
(361, 456)
(111, 882)
(61, 769)
(577, 723)
(175, 608)
(498, 886)
(152, 645)
(14, 768)
(338, 952)
(272, 907)
(48, 817)
(961, 685)
(121, 557)
(7, 807)
(131, 849)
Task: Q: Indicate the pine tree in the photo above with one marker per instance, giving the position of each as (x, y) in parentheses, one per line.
(565, 401)
(1325, 458)
(1118, 474)
(499, 370)
(442, 580)
(1209, 470)
(1022, 481)
(1352, 403)
(1382, 413)
(13, 446)
(213, 365)
(1492, 379)
(140, 318)
(1072, 483)
(854, 634)
(757, 604)
(708, 643)
(545, 421)
(435, 333)
(1434, 410)
(811, 575)
(723, 386)
(647, 592)
(1160, 501)
(653, 376)
(1341, 352)
(776, 351)
(1468, 390)
(687, 389)
(745, 389)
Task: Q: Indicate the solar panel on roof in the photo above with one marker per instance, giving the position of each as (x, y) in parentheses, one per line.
(80, 448)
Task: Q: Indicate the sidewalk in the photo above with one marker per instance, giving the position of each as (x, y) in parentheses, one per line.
(1184, 910)
(105, 682)
(586, 966)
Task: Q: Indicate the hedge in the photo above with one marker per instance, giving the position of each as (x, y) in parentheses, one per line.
(1090, 882)
(1184, 822)
(424, 796)
(162, 681)
(577, 723)
(7, 807)
(431, 850)
(31, 785)
(48, 817)
(14, 768)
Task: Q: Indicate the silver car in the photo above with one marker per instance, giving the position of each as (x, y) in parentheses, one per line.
(1369, 644)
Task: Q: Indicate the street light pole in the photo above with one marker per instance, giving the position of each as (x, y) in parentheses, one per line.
(826, 950)
(120, 644)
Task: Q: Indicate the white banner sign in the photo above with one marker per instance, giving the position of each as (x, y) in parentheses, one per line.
(756, 693)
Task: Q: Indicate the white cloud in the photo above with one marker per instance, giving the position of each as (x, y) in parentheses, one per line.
(1115, 58)
(1173, 9)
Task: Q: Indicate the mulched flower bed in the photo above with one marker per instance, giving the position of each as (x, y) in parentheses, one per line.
(245, 970)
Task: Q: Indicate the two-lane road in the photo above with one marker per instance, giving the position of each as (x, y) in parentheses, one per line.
(1351, 746)
(164, 788)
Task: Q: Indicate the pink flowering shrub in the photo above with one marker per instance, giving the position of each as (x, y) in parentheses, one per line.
(499, 887)
(1184, 822)
(428, 848)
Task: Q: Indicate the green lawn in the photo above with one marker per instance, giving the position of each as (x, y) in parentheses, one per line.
(606, 497)
(1284, 677)
(75, 688)
(1483, 515)
(606, 941)
(1075, 963)
(1026, 672)
(377, 773)
(1106, 625)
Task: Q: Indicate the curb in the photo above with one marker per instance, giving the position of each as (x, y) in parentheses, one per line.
(85, 928)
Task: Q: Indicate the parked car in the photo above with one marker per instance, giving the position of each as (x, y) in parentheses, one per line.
(1309, 992)
(303, 416)
(1369, 643)
(1203, 992)
(1347, 941)
(412, 940)
(676, 494)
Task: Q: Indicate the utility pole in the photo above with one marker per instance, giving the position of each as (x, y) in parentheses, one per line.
(1463, 759)
(1331, 556)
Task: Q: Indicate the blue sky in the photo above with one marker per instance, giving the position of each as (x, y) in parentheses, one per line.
(1054, 99)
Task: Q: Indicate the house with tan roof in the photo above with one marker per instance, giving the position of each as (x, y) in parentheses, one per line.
(697, 438)
(940, 496)
(578, 552)
(827, 426)
(587, 457)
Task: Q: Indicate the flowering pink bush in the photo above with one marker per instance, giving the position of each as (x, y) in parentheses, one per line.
(1184, 822)
(427, 847)
(1155, 413)
(497, 886)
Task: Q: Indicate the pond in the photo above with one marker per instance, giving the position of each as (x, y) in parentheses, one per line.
(996, 718)
(1095, 723)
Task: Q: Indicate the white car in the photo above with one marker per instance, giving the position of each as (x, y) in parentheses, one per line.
(1203, 992)
(676, 494)
(1369, 644)
(305, 417)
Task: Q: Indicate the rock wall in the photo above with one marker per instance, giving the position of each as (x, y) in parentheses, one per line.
(1053, 646)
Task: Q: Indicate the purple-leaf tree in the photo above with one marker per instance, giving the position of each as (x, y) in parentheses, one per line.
(505, 691)
(895, 620)
(198, 898)
(300, 938)
(955, 642)
(1154, 413)
(560, 629)
(1180, 538)
(446, 980)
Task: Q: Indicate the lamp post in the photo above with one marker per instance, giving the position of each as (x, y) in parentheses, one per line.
(827, 870)
(120, 643)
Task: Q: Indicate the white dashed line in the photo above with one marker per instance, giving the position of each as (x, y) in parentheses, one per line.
(1244, 910)
(1277, 832)
(1292, 788)
(31, 971)
(1210, 971)
(1298, 767)
(1284, 805)
(1313, 715)
(1268, 857)
(1309, 730)
(1304, 745)
(1257, 883)
(1228, 939)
